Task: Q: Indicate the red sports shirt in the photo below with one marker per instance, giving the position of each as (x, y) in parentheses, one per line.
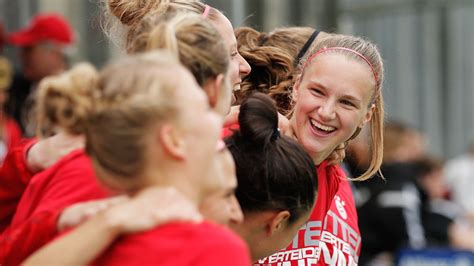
(14, 178)
(203, 244)
(331, 235)
(69, 181)
(12, 132)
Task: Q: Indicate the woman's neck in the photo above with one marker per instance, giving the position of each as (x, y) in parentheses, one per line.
(176, 179)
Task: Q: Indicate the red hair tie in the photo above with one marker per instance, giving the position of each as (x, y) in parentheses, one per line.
(207, 9)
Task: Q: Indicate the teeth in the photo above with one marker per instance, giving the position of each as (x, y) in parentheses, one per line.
(322, 127)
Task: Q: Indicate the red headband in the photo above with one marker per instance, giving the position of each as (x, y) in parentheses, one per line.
(348, 50)
(207, 9)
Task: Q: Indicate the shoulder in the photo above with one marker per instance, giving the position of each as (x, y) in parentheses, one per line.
(180, 244)
(68, 168)
(222, 246)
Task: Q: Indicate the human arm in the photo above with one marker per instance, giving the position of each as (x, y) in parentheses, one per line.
(152, 207)
(48, 151)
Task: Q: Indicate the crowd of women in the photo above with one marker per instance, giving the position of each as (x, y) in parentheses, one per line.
(146, 162)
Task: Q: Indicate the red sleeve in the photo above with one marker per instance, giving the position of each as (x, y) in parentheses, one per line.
(14, 134)
(14, 177)
(75, 182)
(70, 180)
(16, 245)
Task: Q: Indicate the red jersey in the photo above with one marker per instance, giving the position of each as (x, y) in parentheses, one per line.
(12, 133)
(331, 235)
(181, 244)
(14, 178)
(23, 240)
(70, 180)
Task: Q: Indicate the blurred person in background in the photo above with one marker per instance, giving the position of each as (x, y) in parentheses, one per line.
(444, 221)
(42, 47)
(10, 133)
(459, 174)
(390, 211)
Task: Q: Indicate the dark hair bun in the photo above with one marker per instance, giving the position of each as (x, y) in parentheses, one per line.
(258, 118)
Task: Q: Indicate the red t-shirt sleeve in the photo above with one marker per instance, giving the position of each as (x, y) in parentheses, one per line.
(14, 177)
(34, 223)
(13, 133)
(70, 180)
(17, 244)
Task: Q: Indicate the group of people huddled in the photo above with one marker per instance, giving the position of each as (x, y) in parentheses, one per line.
(201, 145)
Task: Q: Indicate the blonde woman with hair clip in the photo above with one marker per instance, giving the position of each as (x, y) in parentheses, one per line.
(203, 52)
(338, 91)
(123, 15)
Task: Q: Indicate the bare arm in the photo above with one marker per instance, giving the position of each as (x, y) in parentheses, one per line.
(80, 247)
(47, 151)
(150, 208)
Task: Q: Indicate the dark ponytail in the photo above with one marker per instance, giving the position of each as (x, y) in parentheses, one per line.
(273, 171)
(258, 119)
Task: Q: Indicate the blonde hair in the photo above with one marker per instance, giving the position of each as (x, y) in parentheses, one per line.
(64, 100)
(133, 94)
(371, 53)
(120, 15)
(191, 38)
(272, 58)
(6, 74)
(114, 108)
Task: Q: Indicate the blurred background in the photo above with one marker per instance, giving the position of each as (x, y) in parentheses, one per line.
(426, 44)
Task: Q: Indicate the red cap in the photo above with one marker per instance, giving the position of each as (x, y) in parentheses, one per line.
(46, 27)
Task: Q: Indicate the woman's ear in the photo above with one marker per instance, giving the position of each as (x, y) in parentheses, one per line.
(296, 88)
(213, 89)
(172, 142)
(367, 116)
(278, 222)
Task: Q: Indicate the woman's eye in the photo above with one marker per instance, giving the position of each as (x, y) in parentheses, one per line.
(317, 91)
(348, 103)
